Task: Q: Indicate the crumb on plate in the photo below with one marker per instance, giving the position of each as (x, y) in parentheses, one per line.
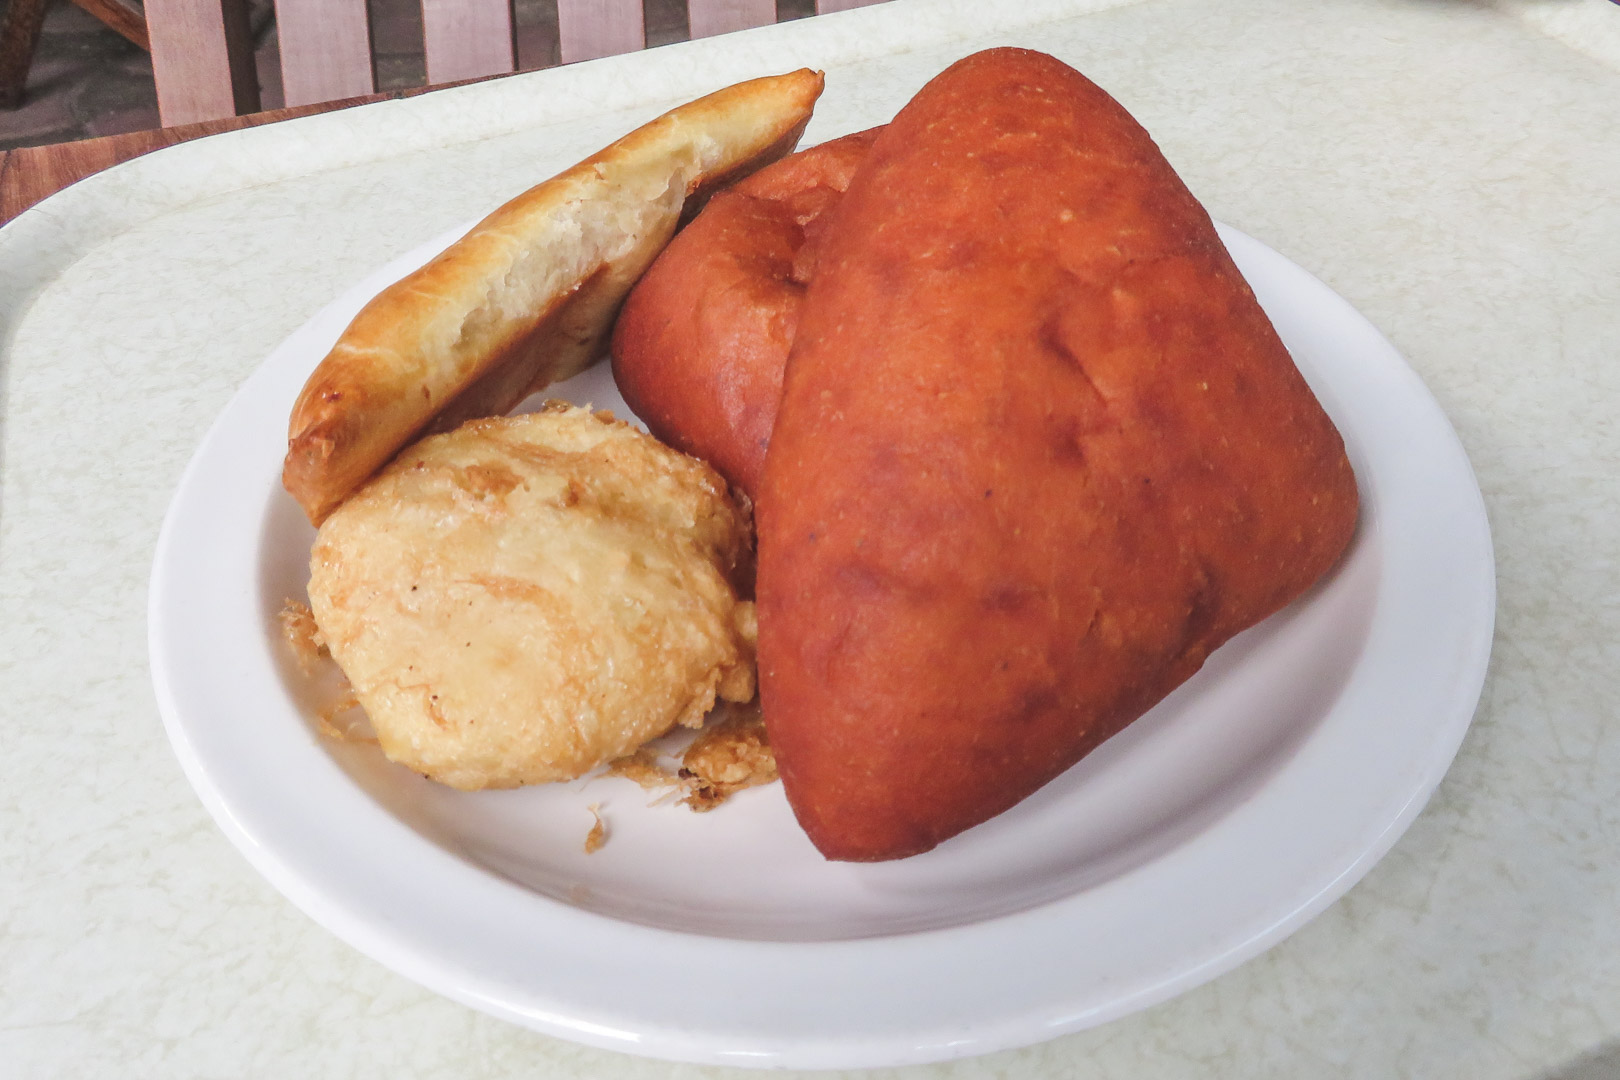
(598, 834)
(726, 758)
(302, 634)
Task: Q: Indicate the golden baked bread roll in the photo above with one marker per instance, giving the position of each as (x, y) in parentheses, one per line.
(699, 348)
(527, 597)
(528, 296)
(1039, 451)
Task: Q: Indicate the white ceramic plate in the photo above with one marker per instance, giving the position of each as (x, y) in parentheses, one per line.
(1241, 806)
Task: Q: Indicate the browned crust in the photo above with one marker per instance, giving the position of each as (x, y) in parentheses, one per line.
(527, 297)
(699, 349)
(1039, 452)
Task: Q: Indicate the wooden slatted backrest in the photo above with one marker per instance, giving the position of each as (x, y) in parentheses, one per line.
(468, 39)
(202, 59)
(706, 18)
(325, 50)
(587, 29)
(202, 51)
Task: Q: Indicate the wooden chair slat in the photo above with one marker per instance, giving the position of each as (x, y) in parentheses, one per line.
(587, 29)
(202, 59)
(468, 39)
(706, 18)
(325, 50)
(824, 6)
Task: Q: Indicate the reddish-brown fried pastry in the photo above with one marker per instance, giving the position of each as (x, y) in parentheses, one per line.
(1039, 452)
(699, 348)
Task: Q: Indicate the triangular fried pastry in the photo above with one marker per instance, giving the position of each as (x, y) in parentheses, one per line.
(1039, 453)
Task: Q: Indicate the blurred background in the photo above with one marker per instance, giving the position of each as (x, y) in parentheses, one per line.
(87, 80)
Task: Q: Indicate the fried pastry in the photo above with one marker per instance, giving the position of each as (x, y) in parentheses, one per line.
(528, 597)
(699, 348)
(1039, 451)
(527, 297)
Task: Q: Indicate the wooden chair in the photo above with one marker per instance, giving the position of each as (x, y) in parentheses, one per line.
(202, 52)
(203, 58)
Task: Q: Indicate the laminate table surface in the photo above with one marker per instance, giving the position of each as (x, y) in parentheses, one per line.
(1451, 169)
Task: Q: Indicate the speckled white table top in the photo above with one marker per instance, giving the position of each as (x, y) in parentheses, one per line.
(1453, 169)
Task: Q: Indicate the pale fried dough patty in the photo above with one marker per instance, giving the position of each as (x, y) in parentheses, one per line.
(527, 597)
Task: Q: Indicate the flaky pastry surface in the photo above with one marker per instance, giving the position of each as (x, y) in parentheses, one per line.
(528, 597)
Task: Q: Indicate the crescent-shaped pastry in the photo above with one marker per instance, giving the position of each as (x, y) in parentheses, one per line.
(527, 297)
